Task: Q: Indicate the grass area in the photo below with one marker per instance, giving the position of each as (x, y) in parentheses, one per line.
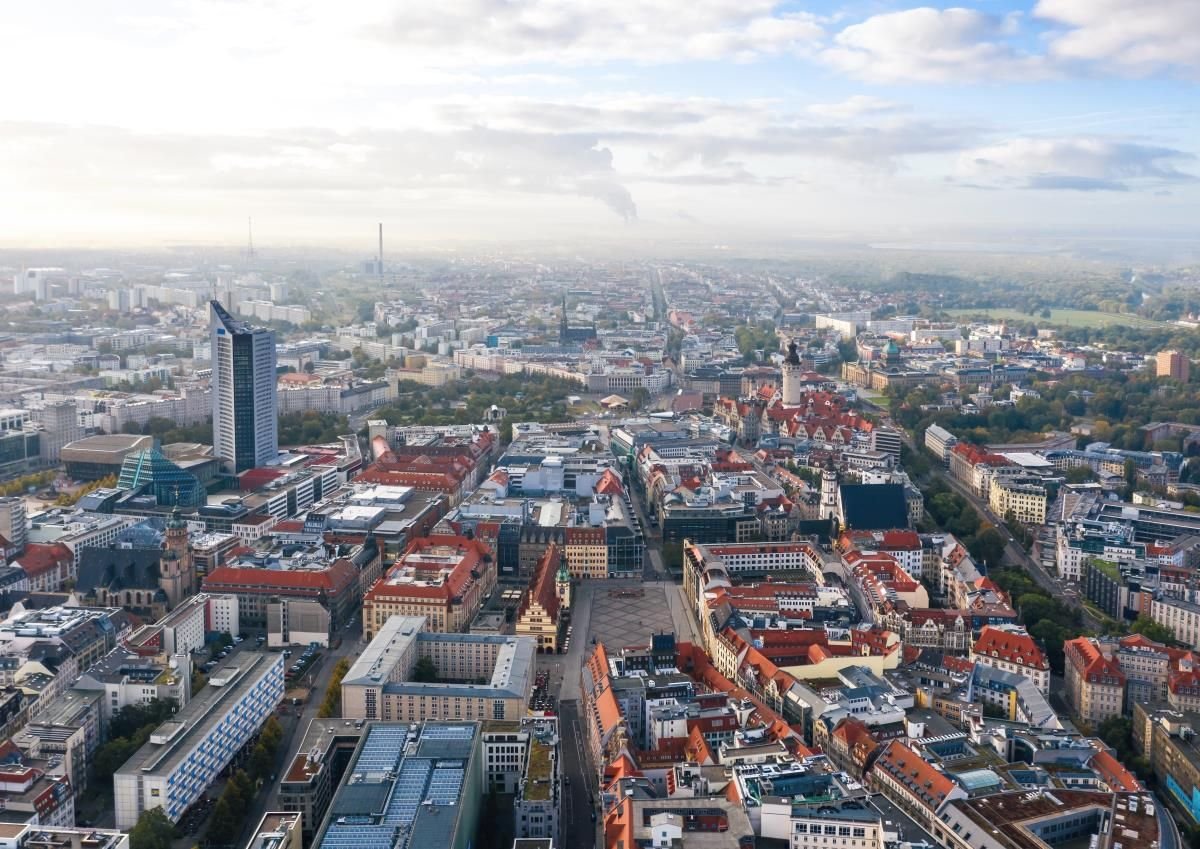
(1070, 318)
(537, 788)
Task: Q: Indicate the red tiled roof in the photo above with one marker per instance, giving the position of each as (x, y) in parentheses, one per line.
(542, 588)
(609, 484)
(1011, 646)
(929, 786)
(1085, 656)
(339, 575)
(40, 558)
(1115, 775)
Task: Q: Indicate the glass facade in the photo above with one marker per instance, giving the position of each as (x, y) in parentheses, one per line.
(245, 419)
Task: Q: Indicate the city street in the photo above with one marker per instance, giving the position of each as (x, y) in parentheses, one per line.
(578, 825)
(1014, 554)
(297, 719)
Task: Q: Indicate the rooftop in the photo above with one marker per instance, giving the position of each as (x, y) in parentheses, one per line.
(174, 740)
(403, 788)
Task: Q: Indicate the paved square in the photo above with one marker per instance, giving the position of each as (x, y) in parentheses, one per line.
(628, 615)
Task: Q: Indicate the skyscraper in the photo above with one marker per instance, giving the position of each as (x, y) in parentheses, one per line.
(245, 422)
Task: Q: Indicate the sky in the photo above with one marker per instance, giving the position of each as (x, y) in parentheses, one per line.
(151, 122)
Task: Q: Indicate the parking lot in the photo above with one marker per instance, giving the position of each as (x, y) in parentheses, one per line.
(543, 698)
(626, 615)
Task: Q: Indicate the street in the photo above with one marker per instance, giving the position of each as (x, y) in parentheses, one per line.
(1014, 554)
(297, 719)
(578, 824)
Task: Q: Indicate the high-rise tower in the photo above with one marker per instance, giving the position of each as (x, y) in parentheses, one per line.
(245, 421)
(829, 491)
(793, 377)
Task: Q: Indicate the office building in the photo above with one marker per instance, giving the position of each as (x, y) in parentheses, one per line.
(185, 755)
(1173, 364)
(245, 423)
(378, 685)
(443, 578)
(408, 787)
(30, 836)
(278, 830)
(309, 780)
(12, 522)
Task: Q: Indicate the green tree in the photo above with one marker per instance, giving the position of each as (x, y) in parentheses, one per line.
(988, 546)
(1150, 629)
(425, 670)
(1117, 732)
(272, 733)
(224, 824)
(261, 761)
(152, 831)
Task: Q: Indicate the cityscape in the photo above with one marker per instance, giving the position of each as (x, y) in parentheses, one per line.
(539, 425)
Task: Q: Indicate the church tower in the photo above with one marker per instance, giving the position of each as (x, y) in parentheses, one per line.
(829, 491)
(176, 569)
(793, 380)
(562, 584)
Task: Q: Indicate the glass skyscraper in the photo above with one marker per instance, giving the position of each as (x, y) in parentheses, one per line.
(245, 420)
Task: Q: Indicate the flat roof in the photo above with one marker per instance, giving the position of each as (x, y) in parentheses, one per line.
(403, 788)
(201, 715)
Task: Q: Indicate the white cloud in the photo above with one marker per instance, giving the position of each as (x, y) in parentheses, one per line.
(1076, 163)
(307, 163)
(932, 45)
(1130, 36)
(856, 106)
(646, 32)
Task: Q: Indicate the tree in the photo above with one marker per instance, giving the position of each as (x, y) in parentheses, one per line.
(425, 670)
(152, 831)
(1152, 630)
(989, 546)
(223, 825)
(272, 733)
(332, 703)
(261, 761)
(639, 398)
(112, 756)
(1117, 731)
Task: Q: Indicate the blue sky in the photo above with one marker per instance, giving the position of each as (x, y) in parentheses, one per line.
(645, 119)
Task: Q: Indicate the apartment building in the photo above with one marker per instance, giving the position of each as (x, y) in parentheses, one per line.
(1011, 649)
(1095, 682)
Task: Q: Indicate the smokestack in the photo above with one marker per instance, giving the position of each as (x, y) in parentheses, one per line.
(380, 250)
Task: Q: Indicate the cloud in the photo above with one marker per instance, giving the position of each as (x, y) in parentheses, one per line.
(1086, 164)
(646, 32)
(856, 106)
(1136, 37)
(311, 161)
(932, 45)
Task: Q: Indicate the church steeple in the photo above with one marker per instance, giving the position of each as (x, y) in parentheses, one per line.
(562, 584)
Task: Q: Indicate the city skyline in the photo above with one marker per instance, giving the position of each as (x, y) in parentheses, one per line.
(481, 121)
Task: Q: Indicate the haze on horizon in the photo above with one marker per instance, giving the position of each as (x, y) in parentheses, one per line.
(481, 120)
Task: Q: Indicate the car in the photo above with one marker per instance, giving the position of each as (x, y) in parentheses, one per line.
(287, 652)
(239, 639)
(567, 780)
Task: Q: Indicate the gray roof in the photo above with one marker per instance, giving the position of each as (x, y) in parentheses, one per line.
(404, 787)
(202, 714)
